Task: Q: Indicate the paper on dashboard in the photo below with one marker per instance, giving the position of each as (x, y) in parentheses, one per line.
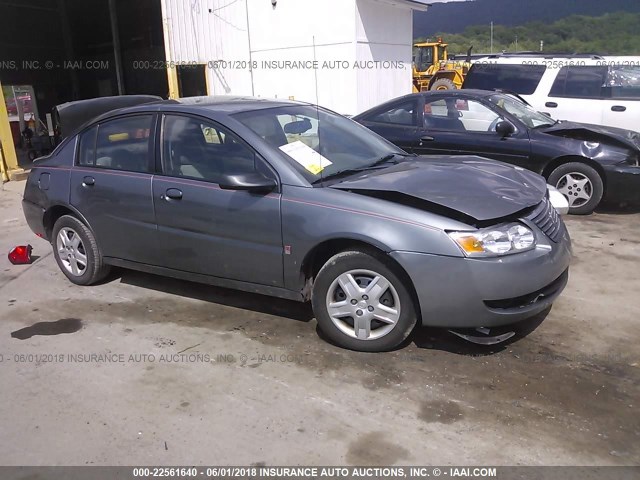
(306, 156)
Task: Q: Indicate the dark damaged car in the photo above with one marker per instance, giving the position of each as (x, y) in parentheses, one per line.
(293, 201)
(586, 163)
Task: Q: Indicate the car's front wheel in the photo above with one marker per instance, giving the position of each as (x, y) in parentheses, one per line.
(361, 303)
(580, 184)
(76, 251)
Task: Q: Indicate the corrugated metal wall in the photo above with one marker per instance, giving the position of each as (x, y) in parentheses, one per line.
(336, 33)
(206, 32)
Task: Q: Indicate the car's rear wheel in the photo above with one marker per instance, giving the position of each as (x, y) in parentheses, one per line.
(76, 251)
(361, 303)
(580, 184)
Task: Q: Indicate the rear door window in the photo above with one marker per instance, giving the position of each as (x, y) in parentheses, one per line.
(124, 143)
(580, 82)
(521, 79)
(404, 114)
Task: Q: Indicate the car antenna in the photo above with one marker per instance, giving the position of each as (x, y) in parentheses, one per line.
(315, 70)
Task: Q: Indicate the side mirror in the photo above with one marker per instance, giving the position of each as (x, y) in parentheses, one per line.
(251, 182)
(504, 128)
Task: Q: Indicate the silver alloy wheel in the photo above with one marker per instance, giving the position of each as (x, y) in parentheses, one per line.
(576, 187)
(363, 304)
(71, 251)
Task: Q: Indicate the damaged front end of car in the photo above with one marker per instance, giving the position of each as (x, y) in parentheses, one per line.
(514, 247)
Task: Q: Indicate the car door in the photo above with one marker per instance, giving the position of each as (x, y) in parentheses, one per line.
(205, 229)
(577, 94)
(622, 104)
(454, 125)
(397, 122)
(111, 186)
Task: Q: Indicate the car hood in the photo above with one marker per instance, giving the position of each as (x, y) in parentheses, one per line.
(596, 133)
(474, 186)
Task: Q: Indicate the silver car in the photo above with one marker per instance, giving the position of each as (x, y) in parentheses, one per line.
(291, 200)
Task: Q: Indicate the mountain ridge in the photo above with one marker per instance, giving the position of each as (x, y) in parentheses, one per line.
(454, 17)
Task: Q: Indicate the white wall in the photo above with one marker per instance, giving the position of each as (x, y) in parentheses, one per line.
(337, 33)
(304, 30)
(384, 33)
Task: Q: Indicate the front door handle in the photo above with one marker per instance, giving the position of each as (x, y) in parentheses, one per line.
(551, 105)
(426, 138)
(618, 108)
(174, 194)
(88, 181)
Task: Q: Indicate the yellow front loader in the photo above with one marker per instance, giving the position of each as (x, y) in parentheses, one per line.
(432, 69)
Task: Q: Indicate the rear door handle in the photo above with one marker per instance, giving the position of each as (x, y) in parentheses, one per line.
(618, 108)
(174, 194)
(551, 105)
(88, 181)
(426, 138)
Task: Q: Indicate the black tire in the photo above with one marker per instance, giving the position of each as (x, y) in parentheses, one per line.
(557, 179)
(94, 270)
(443, 84)
(370, 261)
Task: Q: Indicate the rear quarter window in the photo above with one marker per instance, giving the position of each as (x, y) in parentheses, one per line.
(87, 149)
(624, 82)
(520, 79)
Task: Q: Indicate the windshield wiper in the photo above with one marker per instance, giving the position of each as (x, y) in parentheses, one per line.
(350, 171)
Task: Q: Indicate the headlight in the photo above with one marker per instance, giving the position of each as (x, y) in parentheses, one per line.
(558, 200)
(495, 241)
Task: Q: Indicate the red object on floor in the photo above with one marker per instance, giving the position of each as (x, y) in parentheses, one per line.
(20, 255)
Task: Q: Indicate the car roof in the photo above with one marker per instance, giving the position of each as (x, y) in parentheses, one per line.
(545, 60)
(222, 104)
(429, 94)
(228, 104)
(470, 92)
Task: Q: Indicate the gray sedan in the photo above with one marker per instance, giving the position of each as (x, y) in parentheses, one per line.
(291, 200)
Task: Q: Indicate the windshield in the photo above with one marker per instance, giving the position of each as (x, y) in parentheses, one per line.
(522, 111)
(422, 58)
(318, 143)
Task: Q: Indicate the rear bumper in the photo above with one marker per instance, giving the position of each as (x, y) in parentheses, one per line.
(34, 214)
(623, 184)
(455, 292)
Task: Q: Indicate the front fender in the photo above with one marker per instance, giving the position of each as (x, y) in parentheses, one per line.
(313, 216)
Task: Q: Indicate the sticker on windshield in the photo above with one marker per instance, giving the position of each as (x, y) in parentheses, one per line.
(306, 156)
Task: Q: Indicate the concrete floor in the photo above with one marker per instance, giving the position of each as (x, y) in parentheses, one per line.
(189, 374)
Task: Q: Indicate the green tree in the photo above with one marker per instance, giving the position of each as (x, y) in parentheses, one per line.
(610, 34)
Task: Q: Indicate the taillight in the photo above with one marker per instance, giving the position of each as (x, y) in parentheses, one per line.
(20, 254)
